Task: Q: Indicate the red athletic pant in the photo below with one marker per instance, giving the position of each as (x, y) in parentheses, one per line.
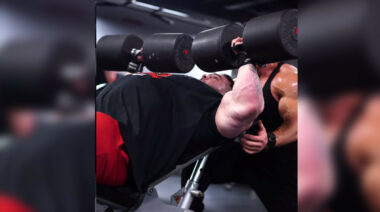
(111, 161)
(11, 204)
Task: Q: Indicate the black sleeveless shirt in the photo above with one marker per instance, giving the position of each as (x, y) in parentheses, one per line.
(347, 195)
(281, 162)
(271, 115)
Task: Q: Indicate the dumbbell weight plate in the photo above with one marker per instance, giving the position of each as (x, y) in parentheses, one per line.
(113, 52)
(168, 52)
(272, 37)
(212, 48)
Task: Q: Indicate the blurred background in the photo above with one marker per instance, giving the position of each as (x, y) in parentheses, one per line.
(339, 146)
(46, 105)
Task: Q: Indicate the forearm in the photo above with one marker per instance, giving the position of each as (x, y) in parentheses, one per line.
(242, 105)
(247, 91)
(286, 134)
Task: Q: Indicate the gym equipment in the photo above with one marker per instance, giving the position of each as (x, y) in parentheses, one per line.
(212, 48)
(168, 52)
(268, 38)
(190, 190)
(161, 52)
(272, 37)
(180, 201)
(114, 52)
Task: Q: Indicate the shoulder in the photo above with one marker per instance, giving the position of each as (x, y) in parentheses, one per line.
(285, 83)
(287, 71)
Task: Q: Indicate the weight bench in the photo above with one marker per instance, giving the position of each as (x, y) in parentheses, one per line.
(180, 201)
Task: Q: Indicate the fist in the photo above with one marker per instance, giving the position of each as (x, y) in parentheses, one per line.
(235, 42)
(253, 144)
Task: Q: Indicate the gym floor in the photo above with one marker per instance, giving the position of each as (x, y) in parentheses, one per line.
(218, 198)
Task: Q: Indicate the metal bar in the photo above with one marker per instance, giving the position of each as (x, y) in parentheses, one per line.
(193, 183)
(182, 166)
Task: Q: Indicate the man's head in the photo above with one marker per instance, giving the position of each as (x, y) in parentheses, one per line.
(221, 83)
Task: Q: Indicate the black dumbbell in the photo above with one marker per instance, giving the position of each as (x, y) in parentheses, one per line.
(115, 52)
(161, 52)
(268, 38)
(272, 37)
(212, 48)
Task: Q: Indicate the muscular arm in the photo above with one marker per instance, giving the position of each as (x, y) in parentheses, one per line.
(242, 105)
(285, 87)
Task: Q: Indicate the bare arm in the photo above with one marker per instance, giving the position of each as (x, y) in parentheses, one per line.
(111, 76)
(242, 105)
(285, 85)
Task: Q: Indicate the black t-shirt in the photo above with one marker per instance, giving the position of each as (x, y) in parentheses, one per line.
(160, 117)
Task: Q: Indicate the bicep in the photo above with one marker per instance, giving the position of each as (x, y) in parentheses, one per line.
(288, 109)
(287, 89)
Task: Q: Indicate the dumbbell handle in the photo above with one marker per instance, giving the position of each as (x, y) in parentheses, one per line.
(136, 64)
(238, 48)
(135, 55)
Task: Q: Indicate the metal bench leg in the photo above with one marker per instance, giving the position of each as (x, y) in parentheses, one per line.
(191, 187)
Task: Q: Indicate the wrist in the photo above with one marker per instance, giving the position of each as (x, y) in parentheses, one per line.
(272, 140)
(242, 59)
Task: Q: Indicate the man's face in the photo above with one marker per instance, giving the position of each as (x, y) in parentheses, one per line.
(219, 82)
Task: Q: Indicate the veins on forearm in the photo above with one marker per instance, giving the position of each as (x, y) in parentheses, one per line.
(247, 84)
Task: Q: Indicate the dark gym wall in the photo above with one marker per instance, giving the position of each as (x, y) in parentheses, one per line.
(33, 20)
(122, 20)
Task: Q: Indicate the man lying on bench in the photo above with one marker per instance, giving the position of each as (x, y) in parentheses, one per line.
(148, 123)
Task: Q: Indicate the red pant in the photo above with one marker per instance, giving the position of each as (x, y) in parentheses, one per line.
(11, 204)
(111, 161)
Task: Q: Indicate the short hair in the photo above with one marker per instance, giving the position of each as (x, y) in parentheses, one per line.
(230, 80)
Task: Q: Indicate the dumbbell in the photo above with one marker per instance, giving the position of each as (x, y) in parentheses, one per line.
(160, 52)
(114, 52)
(268, 38)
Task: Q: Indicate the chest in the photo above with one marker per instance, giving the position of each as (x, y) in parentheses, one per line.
(269, 89)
